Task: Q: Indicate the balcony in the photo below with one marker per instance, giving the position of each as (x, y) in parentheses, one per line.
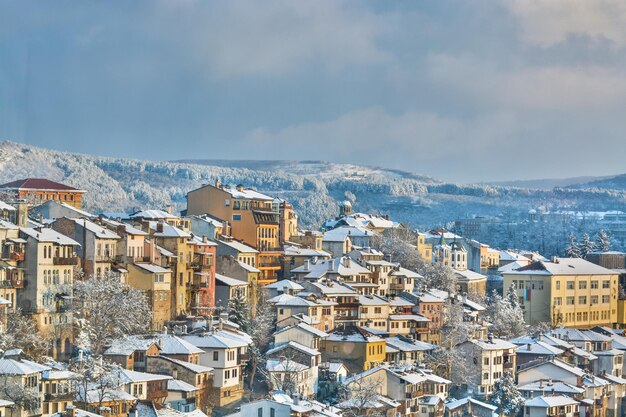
(105, 258)
(157, 394)
(73, 260)
(12, 283)
(59, 396)
(17, 256)
(414, 394)
(508, 365)
(244, 357)
(397, 287)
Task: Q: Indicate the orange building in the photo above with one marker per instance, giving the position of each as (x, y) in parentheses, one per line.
(39, 190)
(253, 217)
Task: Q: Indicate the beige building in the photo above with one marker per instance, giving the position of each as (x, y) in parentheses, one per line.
(569, 292)
(155, 281)
(49, 263)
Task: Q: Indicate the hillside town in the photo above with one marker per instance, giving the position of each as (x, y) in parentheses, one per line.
(231, 308)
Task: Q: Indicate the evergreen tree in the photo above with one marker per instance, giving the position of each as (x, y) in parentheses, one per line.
(603, 241)
(573, 249)
(506, 396)
(586, 246)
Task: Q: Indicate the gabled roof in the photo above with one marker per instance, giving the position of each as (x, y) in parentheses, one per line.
(238, 246)
(168, 230)
(340, 234)
(493, 344)
(538, 348)
(285, 283)
(178, 385)
(152, 214)
(152, 268)
(294, 345)
(546, 401)
(38, 184)
(101, 232)
(217, 340)
(9, 366)
(49, 236)
(291, 300)
(188, 365)
(305, 328)
(127, 376)
(228, 281)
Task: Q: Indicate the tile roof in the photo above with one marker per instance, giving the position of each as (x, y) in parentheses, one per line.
(37, 184)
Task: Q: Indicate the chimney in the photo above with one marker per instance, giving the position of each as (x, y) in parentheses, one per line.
(490, 337)
(168, 209)
(330, 264)
(218, 184)
(159, 227)
(528, 346)
(239, 187)
(541, 383)
(555, 260)
(346, 261)
(184, 329)
(164, 330)
(307, 265)
(205, 239)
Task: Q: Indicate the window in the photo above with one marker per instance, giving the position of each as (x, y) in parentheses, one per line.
(216, 355)
(236, 217)
(558, 285)
(594, 285)
(606, 283)
(594, 299)
(570, 285)
(272, 412)
(486, 361)
(557, 301)
(259, 412)
(582, 285)
(569, 301)
(582, 299)
(605, 299)
(227, 202)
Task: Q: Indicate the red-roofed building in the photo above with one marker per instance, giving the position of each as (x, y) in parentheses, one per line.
(40, 190)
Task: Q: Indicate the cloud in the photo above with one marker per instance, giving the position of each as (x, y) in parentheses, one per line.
(275, 37)
(547, 22)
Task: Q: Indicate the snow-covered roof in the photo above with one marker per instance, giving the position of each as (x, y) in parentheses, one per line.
(550, 385)
(99, 231)
(285, 283)
(409, 317)
(231, 282)
(563, 266)
(291, 300)
(168, 344)
(238, 246)
(152, 268)
(547, 401)
(341, 233)
(407, 345)
(276, 365)
(131, 230)
(294, 345)
(403, 272)
(168, 230)
(178, 385)
(343, 266)
(246, 193)
(290, 250)
(153, 214)
(49, 236)
(218, 340)
(10, 366)
(492, 344)
(304, 327)
(469, 275)
(248, 267)
(353, 334)
(188, 365)
(128, 376)
(538, 348)
(458, 403)
(5, 206)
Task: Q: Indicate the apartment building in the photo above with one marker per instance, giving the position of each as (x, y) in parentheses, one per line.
(156, 282)
(567, 292)
(11, 262)
(253, 217)
(49, 266)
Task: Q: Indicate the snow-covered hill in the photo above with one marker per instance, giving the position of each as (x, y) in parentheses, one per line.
(314, 187)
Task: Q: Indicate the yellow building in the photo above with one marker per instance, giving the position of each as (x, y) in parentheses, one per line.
(254, 218)
(424, 249)
(357, 348)
(567, 292)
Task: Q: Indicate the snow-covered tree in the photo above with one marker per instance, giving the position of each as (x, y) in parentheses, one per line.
(258, 322)
(28, 398)
(359, 395)
(506, 396)
(586, 246)
(95, 378)
(107, 309)
(505, 315)
(22, 333)
(441, 277)
(573, 249)
(603, 241)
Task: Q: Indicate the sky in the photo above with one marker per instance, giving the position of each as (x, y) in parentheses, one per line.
(459, 90)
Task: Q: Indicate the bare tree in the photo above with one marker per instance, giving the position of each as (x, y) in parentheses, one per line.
(26, 397)
(95, 380)
(358, 397)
